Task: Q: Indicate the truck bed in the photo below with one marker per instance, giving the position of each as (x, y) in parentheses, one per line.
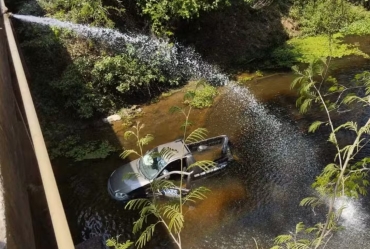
(213, 149)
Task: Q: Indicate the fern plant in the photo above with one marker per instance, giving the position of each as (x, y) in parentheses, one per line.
(170, 213)
(346, 176)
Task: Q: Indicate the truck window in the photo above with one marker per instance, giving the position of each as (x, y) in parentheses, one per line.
(176, 165)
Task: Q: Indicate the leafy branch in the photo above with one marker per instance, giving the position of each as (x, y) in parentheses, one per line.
(346, 175)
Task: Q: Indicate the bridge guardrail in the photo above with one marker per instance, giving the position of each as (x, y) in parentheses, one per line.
(57, 214)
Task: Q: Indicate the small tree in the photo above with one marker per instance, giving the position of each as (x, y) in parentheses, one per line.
(346, 175)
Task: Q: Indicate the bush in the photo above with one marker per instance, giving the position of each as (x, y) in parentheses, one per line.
(203, 96)
(360, 27)
(308, 49)
(104, 84)
(326, 17)
(91, 12)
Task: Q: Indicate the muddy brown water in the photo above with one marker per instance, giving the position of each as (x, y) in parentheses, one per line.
(256, 197)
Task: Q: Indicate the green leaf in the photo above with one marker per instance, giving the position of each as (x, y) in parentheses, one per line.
(129, 134)
(167, 153)
(314, 126)
(197, 135)
(196, 194)
(299, 227)
(126, 153)
(114, 242)
(175, 217)
(305, 105)
(146, 140)
(137, 204)
(309, 201)
(146, 236)
(282, 239)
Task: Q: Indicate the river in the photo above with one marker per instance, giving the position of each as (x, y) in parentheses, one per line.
(256, 198)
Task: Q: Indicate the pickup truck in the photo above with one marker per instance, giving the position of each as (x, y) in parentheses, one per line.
(133, 180)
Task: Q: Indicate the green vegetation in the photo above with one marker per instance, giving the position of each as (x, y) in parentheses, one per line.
(359, 27)
(163, 13)
(113, 242)
(202, 96)
(345, 176)
(325, 17)
(103, 84)
(245, 79)
(321, 27)
(86, 11)
(308, 49)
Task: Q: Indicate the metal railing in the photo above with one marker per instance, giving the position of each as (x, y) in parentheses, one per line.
(57, 214)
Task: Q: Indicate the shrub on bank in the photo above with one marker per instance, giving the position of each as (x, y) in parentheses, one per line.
(307, 49)
(203, 96)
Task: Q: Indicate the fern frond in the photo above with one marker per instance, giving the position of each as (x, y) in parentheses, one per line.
(205, 165)
(197, 135)
(302, 244)
(332, 138)
(145, 212)
(348, 125)
(296, 82)
(146, 236)
(311, 229)
(349, 98)
(145, 140)
(116, 244)
(282, 239)
(175, 217)
(196, 194)
(137, 204)
(314, 126)
(126, 153)
(299, 227)
(309, 201)
(129, 134)
(305, 106)
(167, 153)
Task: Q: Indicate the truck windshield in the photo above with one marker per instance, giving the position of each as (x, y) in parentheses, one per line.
(150, 166)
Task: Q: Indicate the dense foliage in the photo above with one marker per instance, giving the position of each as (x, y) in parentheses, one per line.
(104, 84)
(202, 96)
(313, 17)
(308, 49)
